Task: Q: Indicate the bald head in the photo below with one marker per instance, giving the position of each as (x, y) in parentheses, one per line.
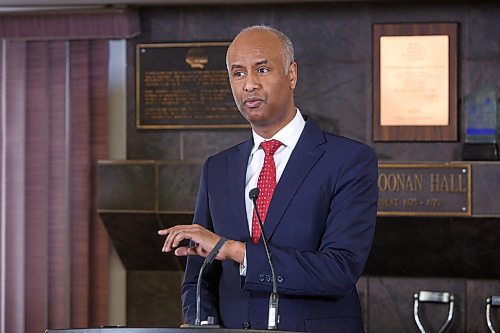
(285, 43)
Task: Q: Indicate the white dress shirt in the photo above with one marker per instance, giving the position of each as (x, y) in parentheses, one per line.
(288, 136)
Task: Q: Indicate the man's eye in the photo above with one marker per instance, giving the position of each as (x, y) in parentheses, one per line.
(238, 74)
(263, 70)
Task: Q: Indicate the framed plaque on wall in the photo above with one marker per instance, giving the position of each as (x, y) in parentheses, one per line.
(184, 86)
(415, 82)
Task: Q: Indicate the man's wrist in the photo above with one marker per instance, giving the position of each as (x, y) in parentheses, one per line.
(234, 250)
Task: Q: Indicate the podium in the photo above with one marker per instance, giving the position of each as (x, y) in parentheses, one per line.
(158, 330)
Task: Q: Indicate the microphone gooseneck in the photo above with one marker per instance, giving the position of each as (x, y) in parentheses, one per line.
(208, 260)
(273, 318)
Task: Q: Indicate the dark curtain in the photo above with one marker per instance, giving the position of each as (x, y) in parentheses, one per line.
(53, 246)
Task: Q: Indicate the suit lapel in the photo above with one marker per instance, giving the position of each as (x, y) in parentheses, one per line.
(306, 154)
(236, 170)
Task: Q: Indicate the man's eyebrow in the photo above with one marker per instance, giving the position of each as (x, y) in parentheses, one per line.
(258, 63)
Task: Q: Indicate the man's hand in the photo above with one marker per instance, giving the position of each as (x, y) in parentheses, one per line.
(204, 240)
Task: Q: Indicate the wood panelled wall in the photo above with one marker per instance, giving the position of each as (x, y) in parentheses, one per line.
(333, 50)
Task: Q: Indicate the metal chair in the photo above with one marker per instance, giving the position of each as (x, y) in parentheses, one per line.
(433, 297)
(491, 301)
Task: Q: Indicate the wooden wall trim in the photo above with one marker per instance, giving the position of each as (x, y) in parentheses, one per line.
(77, 24)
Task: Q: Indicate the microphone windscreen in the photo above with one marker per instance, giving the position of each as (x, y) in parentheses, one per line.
(254, 193)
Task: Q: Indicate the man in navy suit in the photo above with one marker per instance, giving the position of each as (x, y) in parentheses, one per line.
(319, 222)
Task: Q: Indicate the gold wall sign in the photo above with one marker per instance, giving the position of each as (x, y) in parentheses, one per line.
(184, 86)
(424, 189)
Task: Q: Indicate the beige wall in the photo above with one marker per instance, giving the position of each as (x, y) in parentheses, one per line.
(117, 150)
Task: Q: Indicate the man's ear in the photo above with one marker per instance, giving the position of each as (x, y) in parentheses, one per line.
(292, 74)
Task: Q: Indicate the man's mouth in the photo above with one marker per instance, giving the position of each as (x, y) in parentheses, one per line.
(253, 102)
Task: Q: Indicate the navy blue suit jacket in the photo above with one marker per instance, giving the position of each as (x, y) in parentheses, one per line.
(320, 226)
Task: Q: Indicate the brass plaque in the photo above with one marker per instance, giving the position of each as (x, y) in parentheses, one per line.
(424, 189)
(415, 89)
(414, 75)
(184, 86)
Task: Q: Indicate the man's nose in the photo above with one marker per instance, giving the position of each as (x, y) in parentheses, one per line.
(252, 82)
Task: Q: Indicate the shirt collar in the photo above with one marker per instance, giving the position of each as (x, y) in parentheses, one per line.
(288, 135)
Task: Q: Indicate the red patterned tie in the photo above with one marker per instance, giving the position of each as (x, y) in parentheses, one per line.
(266, 185)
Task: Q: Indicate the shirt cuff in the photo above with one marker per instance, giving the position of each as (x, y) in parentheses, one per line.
(243, 266)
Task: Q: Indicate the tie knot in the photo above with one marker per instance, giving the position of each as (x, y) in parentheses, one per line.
(270, 146)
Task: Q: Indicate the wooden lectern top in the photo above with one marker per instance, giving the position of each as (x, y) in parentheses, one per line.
(156, 330)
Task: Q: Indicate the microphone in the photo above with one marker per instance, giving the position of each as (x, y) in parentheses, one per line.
(273, 317)
(208, 260)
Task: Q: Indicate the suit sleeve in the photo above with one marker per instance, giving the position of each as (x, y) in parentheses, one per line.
(210, 281)
(334, 268)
